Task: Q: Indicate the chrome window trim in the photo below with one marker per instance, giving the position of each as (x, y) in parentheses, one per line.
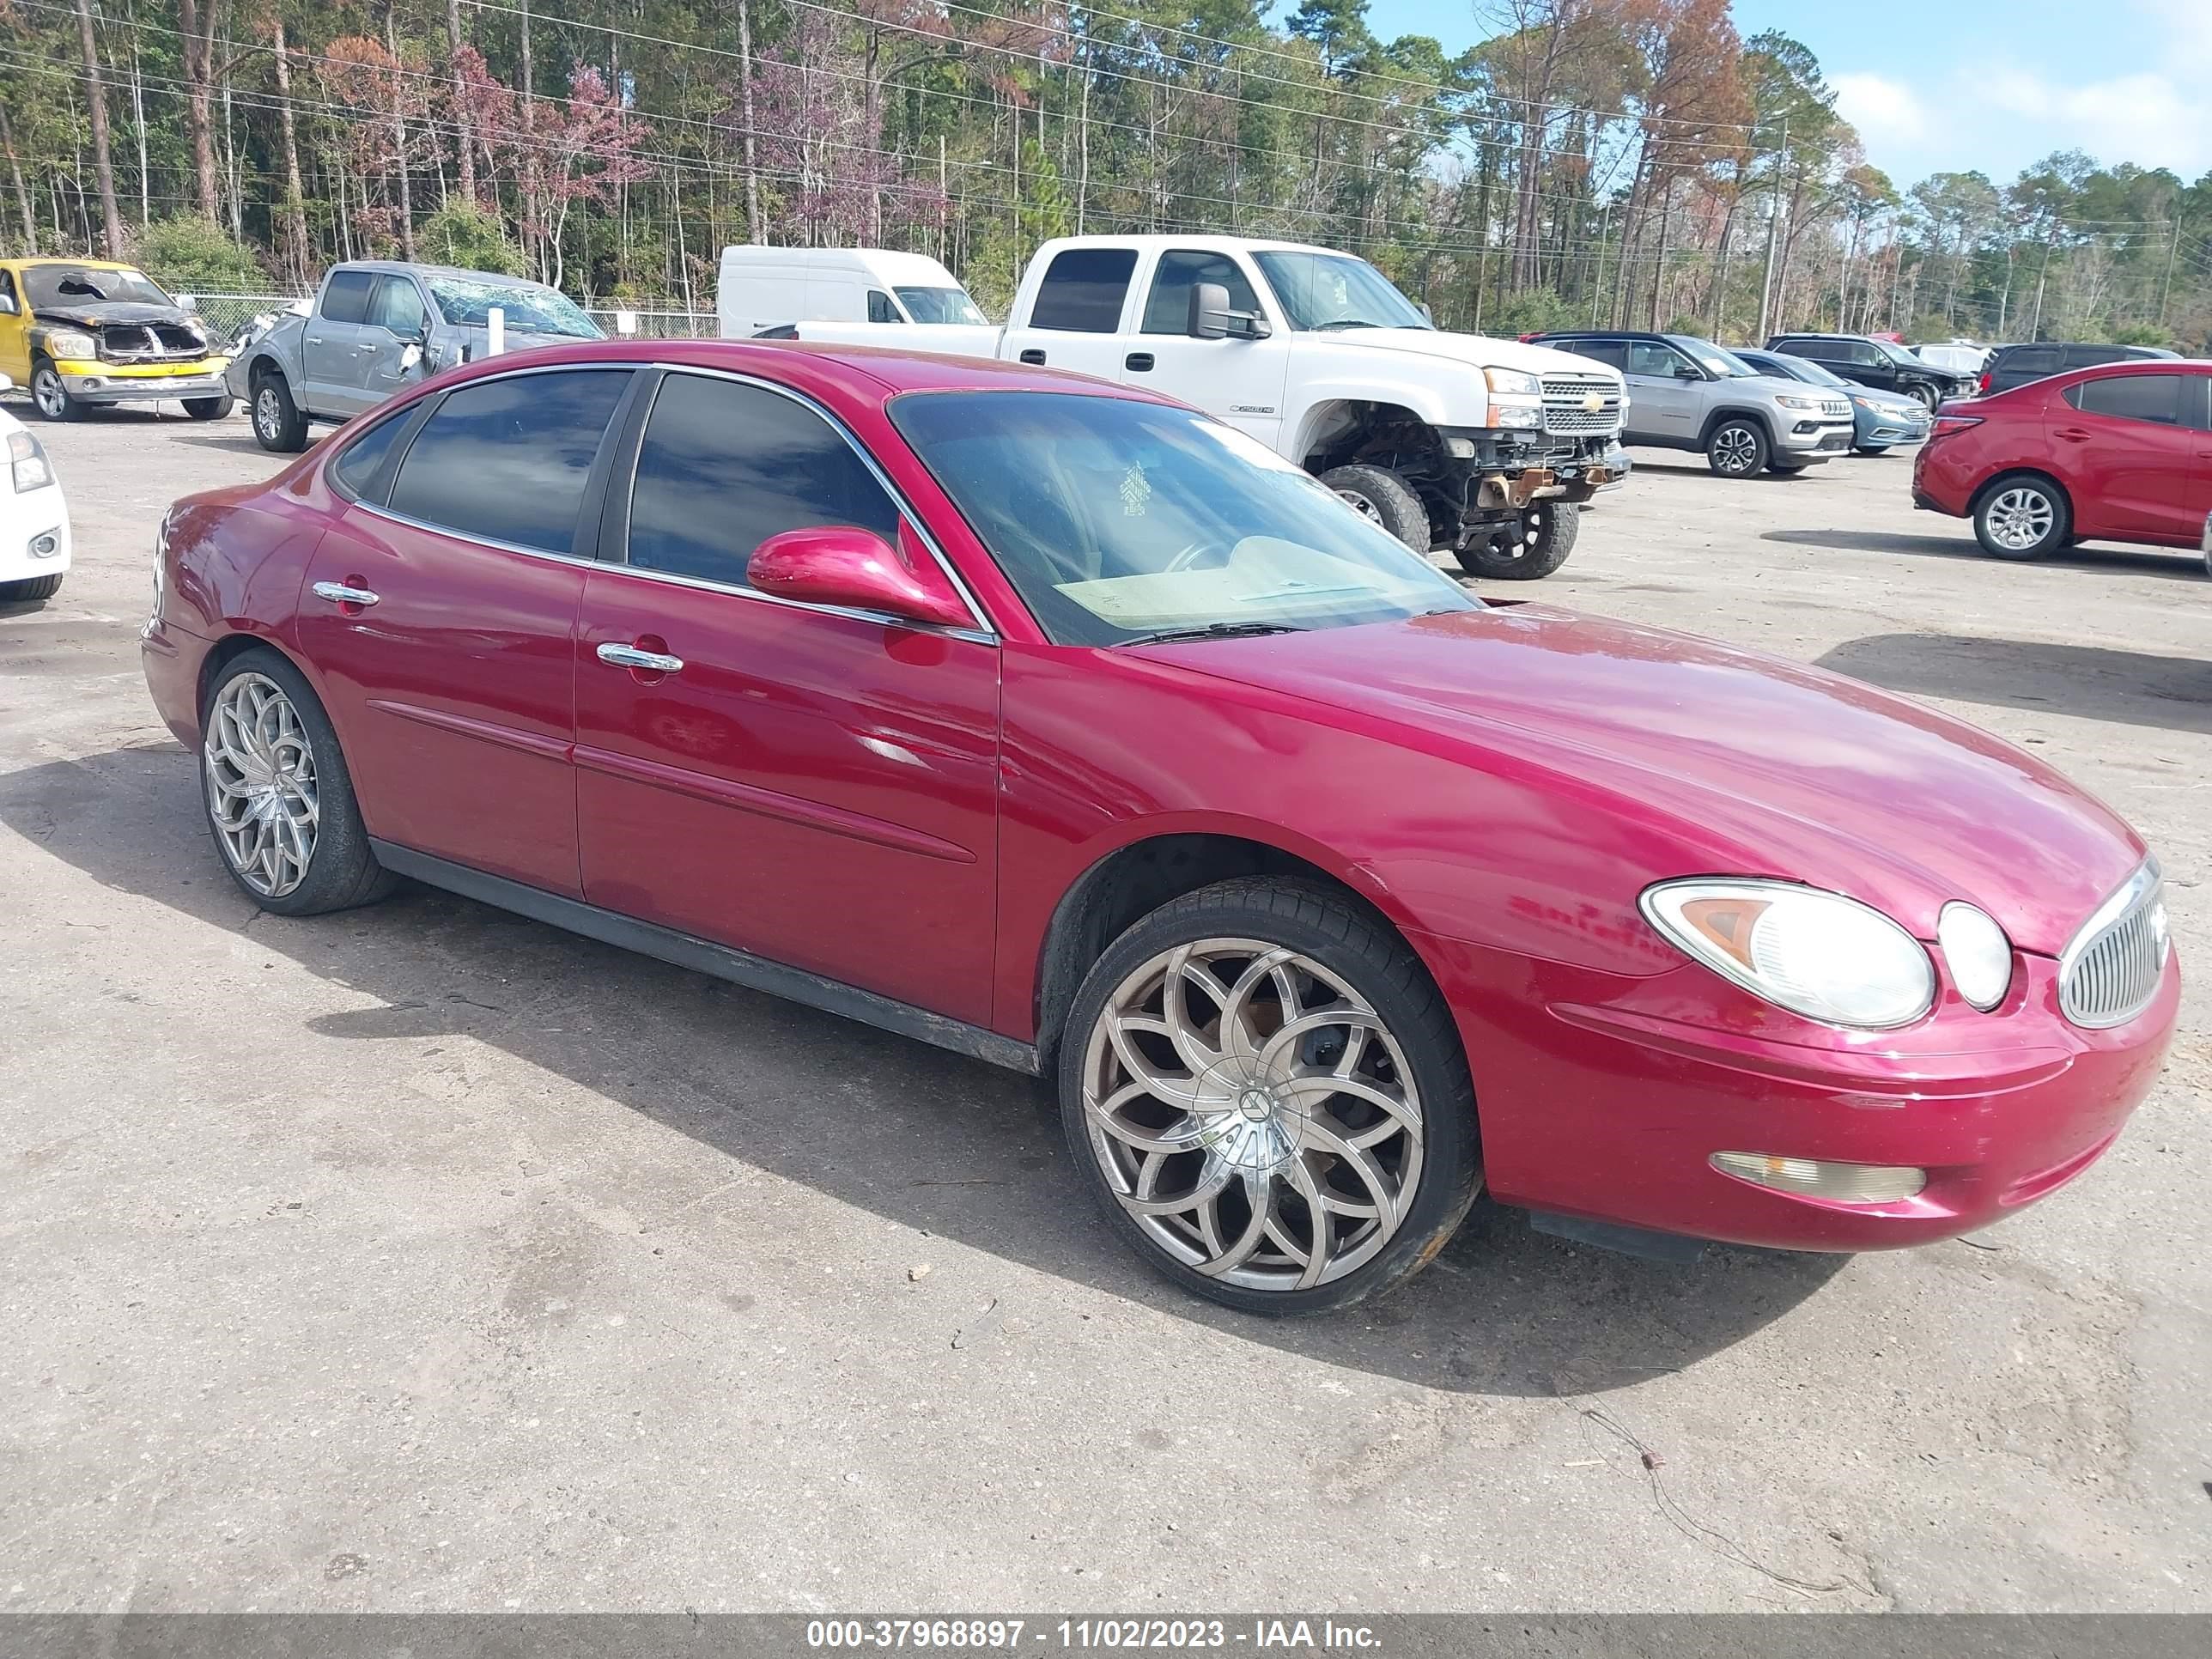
(2131, 893)
(982, 632)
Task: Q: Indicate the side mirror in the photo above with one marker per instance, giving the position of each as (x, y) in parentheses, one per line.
(1688, 371)
(410, 355)
(7, 305)
(843, 564)
(1210, 318)
(1427, 315)
(6, 383)
(188, 303)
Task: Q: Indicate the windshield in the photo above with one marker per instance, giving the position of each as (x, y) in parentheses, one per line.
(1799, 368)
(940, 305)
(1722, 364)
(1898, 353)
(1334, 290)
(1115, 520)
(62, 286)
(467, 303)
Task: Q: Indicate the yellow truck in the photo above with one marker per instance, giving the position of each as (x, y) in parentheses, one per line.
(84, 332)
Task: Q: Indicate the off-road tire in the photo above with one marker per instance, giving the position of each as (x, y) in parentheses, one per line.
(1379, 495)
(278, 425)
(1524, 552)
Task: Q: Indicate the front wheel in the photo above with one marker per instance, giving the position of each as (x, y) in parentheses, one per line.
(1736, 448)
(51, 397)
(31, 589)
(1928, 397)
(1382, 497)
(278, 425)
(209, 408)
(1268, 1097)
(279, 798)
(1522, 552)
(2023, 516)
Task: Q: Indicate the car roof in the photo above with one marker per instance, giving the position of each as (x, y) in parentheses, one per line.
(405, 268)
(1154, 243)
(1602, 334)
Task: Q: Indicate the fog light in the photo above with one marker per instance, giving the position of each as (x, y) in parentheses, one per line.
(1848, 1183)
(45, 546)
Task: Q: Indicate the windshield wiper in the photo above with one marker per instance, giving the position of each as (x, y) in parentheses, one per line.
(1220, 630)
(1346, 322)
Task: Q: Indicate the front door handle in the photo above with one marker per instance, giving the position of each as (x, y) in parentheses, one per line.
(1141, 361)
(1033, 355)
(645, 662)
(340, 593)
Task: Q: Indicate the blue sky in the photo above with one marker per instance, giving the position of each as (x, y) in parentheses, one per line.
(1957, 84)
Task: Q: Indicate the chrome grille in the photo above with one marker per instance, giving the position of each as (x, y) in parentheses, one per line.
(1566, 405)
(2110, 969)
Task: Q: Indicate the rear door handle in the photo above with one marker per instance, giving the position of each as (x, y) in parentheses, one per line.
(1141, 361)
(1033, 355)
(646, 662)
(339, 593)
(2073, 434)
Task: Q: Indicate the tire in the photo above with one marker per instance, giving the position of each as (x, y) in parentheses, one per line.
(30, 589)
(260, 721)
(50, 397)
(2023, 516)
(209, 408)
(1736, 447)
(1535, 548)
(1256, 1135)
(1870, 449)
(1382, 496)
(1787, 468)
(278, 425)
(1927, 395)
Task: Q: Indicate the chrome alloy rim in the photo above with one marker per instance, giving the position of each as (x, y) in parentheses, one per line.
(266, 415)
(2020, 518)
(1735, 449)
(49, 393)
(1359, 504)
(1253, 1113)
(261, 785)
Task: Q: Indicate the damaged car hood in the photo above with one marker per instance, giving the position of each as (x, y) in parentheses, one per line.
(99, 314)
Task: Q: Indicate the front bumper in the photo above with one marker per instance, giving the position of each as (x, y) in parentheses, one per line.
(1886, 429)
(93, 382)
(1608, 1102)
(29, 524)
(1813, 439)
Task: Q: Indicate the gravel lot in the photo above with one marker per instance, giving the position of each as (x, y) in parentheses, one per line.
(423, 1257)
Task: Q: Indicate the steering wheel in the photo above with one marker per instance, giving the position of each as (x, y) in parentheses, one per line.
(1189, 556)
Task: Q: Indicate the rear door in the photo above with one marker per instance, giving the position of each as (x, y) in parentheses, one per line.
(1241, 381)
(453, 685)
(2128, 446)
(330, 344)
(1075, 319)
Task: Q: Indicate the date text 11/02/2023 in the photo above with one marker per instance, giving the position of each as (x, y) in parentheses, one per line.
(1167, 1635)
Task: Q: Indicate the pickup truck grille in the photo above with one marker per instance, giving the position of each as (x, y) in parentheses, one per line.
(150, 342)
(1567, 404)
(2110, 970)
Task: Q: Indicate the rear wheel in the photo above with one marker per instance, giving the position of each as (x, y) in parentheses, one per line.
(1736, 448)
(208, 409)
(1266, 1095)
(2021, 516)
(50, 397)
(1870, 449)
(30, 588)
(279, 800)
(1522, 552)
(278, 425)
(1382, 497)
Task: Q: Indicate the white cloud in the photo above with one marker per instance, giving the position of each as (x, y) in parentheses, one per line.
(1875, 104)
(2143, 118)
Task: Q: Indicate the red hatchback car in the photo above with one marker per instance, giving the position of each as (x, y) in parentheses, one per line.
(1064, 726)
(2119, 453)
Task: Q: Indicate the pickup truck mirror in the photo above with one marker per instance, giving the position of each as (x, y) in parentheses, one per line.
(1210, 318)
(7, 305)
(410, 354)
(188, 303)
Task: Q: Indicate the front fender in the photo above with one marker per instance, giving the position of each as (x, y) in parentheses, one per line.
(1307, 407)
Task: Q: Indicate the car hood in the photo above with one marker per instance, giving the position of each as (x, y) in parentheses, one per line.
(98, 313)
(1722, 760)
(1474, 350)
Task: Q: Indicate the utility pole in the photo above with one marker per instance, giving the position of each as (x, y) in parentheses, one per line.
(2166, 285)
(2035, 324)
(1766, 294)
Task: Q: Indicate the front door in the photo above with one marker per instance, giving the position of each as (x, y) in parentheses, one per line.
(452, 682)
(812, 786)
(2129, 446)
(14, 331)
(332, 341)
(397, 319)
(1666, 395)
(1240, 380)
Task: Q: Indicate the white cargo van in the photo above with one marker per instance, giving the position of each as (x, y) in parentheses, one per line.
(762, 288)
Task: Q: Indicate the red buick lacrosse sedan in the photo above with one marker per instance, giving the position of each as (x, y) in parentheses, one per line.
(1061, 726)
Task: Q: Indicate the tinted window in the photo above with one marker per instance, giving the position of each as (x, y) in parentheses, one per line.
(2031, 360)
(1167, 308)
(506, 460)
(1082, 292)
(398, 306)
(725, 466)
(880, 308)
(356, 465)
(2088, 357)
(1651, 357)
(1613, 353)
(346, 298)
(2131, 397)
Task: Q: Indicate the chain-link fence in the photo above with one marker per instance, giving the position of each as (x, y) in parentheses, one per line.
(227, 314)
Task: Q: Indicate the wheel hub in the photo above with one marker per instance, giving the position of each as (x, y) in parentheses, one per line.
(262, 793)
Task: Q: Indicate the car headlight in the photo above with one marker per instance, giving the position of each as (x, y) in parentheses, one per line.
(1868, 404)
(27, 463)
(1978, 953)
(1517, 399)
(1816, 953)
(1789, 402)
(71, 342)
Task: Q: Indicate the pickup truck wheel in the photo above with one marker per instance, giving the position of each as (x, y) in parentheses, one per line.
(209, 408)
(1736, 448)
(1535, 548)
(278, 425)
(50, 397)
(1380, 496)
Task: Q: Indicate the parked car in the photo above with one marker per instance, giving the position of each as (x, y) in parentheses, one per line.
(1882, 364)
(1880, 420)
(89, 333)
(1960, 357)
(34, 526)
(2016, 365)
(1688, 393)
(1482, 448)
(377, 326)
(2118, 452)
(760, 289)
(1060, 725)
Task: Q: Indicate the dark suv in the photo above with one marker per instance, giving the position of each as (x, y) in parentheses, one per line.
(2016, 365)
(1876, 363)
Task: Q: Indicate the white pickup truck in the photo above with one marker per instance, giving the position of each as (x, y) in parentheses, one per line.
(1484, 448)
